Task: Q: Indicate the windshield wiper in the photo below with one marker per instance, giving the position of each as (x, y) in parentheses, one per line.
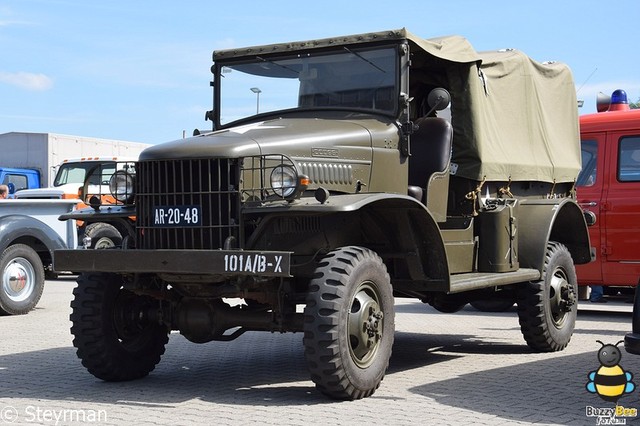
(364, 59)
(277, 64)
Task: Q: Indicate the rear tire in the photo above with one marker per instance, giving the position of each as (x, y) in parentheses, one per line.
(22, 276)
(114, 337)
(349, 323)
(547, 309)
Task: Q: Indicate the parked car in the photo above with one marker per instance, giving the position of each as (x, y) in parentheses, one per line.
(29, 233)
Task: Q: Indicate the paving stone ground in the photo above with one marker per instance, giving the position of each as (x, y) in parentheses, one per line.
(446, 369)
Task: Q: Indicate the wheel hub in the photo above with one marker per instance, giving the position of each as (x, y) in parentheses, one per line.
(562, 296)
(365, 326)
(18, 280)
(568, 298)
(130, 316)
(372, 327)
(104, 243)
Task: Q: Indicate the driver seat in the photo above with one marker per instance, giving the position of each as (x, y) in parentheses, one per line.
(429, 164)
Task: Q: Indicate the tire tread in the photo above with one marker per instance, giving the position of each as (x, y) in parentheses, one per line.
(95, 338)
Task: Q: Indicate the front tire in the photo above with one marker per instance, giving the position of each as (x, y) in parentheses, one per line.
(114, 337)
(22, 277)
(349, 323)
(547, 309)
(103, 236)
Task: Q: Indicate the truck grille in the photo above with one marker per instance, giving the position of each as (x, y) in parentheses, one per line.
(209, 187)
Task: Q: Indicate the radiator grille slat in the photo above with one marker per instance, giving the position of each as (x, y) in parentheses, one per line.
(210, 184)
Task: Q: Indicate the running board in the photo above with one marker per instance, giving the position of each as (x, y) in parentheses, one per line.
(478, 280)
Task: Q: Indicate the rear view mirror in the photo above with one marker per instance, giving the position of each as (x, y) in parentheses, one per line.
(438, 99)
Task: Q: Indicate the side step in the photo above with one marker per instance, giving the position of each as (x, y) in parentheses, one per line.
(478, 280)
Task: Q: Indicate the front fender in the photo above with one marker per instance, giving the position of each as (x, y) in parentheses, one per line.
(21, 228)
(89, 214)
(398, 227)
(560, 220)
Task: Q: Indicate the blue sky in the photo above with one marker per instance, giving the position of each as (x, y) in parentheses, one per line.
(140, 70)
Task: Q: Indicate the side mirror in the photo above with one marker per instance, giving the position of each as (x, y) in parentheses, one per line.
(438, 99)
(12, 188)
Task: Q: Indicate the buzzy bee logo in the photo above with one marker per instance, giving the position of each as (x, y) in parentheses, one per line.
(610, 382)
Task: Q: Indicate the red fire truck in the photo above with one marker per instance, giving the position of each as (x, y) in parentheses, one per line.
(609, 192)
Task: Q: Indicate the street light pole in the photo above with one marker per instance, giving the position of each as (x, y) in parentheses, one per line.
(257, 91)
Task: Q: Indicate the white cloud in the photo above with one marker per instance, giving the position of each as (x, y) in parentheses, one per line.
(27, 80)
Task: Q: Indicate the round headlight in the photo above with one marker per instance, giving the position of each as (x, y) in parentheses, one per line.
(284, 180)
(121, 186)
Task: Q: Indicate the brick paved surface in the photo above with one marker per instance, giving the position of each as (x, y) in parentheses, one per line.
(458, 369)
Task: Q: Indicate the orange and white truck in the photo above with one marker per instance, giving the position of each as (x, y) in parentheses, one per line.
(80, 179)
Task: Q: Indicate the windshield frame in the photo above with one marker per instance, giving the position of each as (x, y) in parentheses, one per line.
(360, 55)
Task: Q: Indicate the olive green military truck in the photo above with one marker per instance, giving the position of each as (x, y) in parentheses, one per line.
(340, 174)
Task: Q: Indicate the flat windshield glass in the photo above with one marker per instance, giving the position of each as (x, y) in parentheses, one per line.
(77, 172)
(349, 78)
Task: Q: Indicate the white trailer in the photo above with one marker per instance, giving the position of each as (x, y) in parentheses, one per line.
(45, 151)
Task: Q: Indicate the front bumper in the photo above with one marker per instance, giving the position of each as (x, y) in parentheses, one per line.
(208, 262)
(632, 340)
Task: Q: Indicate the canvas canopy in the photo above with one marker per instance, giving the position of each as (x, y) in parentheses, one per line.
(513, 118)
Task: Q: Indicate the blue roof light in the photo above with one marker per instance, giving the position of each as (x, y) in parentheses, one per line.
(619, 97)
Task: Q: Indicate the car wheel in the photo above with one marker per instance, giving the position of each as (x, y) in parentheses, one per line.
(349, 323)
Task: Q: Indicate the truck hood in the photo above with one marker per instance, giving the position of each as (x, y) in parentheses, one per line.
(295, 137)
(41, 193)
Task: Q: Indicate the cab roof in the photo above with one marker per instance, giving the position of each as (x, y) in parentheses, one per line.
(610, 120)
(451, 48)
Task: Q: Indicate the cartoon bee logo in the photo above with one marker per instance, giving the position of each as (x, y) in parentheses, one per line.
(610, 381)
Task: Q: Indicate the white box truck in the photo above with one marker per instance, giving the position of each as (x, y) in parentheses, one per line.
(44, 152)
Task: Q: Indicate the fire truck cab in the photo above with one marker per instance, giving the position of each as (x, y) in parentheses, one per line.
(609, 192)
